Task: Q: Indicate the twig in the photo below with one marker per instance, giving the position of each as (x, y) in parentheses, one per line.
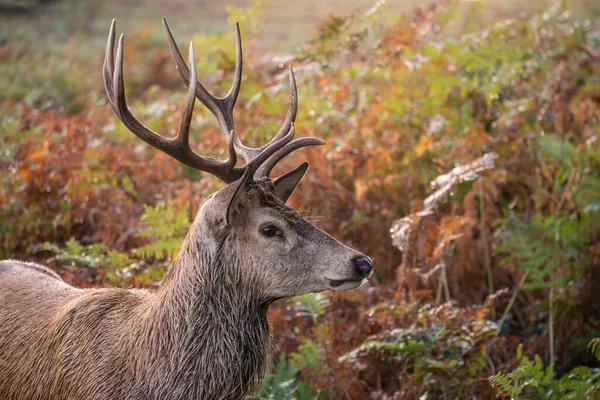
(570, 180)
(487, 258)
(551, 323)
(445, 282)
(551, 300)
(438, 290)
(511, 301)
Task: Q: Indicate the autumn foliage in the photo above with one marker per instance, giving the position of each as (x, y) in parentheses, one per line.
(462, 155)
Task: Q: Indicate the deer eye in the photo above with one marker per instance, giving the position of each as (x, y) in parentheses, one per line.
(269, 231)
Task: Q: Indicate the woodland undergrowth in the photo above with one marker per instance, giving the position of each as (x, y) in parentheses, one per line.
(463, 155)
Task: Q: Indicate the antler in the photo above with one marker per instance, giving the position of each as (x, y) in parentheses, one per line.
(259, 161)
(222, 108)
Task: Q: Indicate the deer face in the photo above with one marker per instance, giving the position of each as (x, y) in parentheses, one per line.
(273, 246)
(289, 255)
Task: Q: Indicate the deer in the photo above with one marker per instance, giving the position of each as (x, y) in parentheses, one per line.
(203, 333)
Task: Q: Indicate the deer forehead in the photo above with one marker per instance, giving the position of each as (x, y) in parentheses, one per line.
(263, 206)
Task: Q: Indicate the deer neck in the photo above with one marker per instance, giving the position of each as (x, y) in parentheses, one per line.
(217, 330)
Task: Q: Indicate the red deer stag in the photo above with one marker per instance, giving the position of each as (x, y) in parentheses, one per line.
(203, 334)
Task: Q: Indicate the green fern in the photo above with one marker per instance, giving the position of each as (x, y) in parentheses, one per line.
(74, 253)
(118, 267)
(115, 264)
(283, 384)
(556, 245)
(532, 381)
(312, 305)
(385, 349)
(594, 348)
(547, 245)
(587, 192)
(167, 227)
(557, 149)
(308, 359)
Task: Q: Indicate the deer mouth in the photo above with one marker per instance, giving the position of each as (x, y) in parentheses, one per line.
(345, 284)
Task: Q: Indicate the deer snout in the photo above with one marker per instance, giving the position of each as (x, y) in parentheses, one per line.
(363, 265)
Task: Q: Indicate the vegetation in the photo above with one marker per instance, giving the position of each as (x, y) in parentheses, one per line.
(462, 154)
(532, 381)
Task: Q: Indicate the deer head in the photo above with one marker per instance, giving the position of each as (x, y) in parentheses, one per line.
(245, 232)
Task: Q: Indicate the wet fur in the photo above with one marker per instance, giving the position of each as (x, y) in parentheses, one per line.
(203, 334)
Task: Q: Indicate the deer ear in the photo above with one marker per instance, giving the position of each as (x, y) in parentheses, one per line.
(235, 190)
(286, 184)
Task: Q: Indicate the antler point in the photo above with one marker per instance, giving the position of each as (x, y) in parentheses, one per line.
(166, 25)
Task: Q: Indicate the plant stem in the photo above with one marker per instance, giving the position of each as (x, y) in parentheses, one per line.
(445, 282)
(486, 249)
(551, 323)
(511, 301)
(558, 241)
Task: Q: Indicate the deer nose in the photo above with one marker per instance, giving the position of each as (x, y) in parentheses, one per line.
(364, 265)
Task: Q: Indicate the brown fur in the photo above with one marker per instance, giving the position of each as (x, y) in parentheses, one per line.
(202, 335)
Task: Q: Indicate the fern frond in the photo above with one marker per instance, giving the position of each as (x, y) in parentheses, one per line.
(594, 348)
(312, 305)
(461, 173)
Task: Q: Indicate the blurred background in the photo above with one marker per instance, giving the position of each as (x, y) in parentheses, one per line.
(284, 26)
(462, 155)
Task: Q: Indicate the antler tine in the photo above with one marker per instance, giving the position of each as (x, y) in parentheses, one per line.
(183, 136)
(222, 107)
(249, 152)
(177, 147)
(109, 64)
(292, 108)
(273, 147)
(265, 168)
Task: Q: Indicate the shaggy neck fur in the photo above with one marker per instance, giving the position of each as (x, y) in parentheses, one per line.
(208, 329)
